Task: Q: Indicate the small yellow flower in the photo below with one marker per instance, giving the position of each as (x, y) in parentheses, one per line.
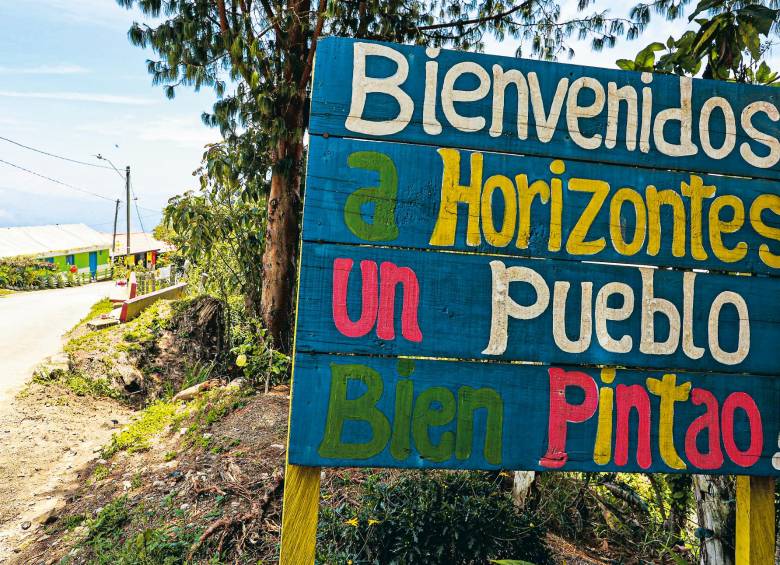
(503, 474)
(241, 360)
(371, 522)
(353, 522)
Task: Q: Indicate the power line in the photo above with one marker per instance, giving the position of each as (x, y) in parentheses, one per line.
(41, 151)
(85, 191)
(137, 212)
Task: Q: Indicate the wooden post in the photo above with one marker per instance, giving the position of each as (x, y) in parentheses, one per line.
(755, 521)
(299, 515)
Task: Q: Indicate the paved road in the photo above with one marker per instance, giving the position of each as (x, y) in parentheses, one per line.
(31, 328)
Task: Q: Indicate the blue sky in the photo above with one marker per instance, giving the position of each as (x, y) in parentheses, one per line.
(71, 84)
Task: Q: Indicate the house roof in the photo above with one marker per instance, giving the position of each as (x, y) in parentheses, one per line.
(47, 241)
(140, 242)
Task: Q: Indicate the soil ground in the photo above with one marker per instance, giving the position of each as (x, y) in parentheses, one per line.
(47, 437)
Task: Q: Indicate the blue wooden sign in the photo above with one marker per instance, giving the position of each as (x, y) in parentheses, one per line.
(510, 264)
(453, 99)
(428, 197)
(387, 412)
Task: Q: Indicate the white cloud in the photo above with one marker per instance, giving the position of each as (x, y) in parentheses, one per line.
(184, 132)
(45, 70)
(80, 97)
(105, 13)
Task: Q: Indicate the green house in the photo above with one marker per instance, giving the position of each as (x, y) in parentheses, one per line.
(65, 245)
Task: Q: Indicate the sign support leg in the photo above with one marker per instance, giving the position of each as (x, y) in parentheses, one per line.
(755, 521)
(299, 514)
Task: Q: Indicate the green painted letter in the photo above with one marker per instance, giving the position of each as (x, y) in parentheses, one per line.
(383, 197)
(426, 416)
(363, 408)
(469, 400)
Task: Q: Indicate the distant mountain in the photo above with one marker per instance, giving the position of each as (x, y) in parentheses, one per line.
(19, 208)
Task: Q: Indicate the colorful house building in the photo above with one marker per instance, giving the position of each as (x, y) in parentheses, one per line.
(144, 248)
(65, 245)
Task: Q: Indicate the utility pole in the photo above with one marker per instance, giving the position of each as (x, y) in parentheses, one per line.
(127, 188)
(116, 217)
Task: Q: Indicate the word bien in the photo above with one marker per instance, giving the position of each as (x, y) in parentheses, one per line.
(520, 196)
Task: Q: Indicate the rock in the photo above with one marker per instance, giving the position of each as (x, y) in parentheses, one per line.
(26, 525)
(238, 383)
(278, 446)
(130, 376)
(193, 391)
(127, 485)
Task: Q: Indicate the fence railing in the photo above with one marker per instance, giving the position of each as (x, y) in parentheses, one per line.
(159, 279)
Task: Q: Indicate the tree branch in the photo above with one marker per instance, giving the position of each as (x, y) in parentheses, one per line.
(269, 13)
(306, 74)
(223, 22)
(481, 20)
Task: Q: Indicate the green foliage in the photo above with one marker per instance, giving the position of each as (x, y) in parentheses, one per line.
(25, 272)
(103, 306)
(457, 518)
(732, 40)
(254, 355)
(77, 382)
(154, 419)
(110, 542)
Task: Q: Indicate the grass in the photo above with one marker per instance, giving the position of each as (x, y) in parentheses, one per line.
(137, 436)
(80, 384)
(5, 292)
(103, 306)
(123, 534)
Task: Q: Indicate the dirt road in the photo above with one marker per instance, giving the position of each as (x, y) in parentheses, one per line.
(31, 328)
(47, 434)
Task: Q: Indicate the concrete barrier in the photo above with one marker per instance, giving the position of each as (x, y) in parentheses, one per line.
(131, 308)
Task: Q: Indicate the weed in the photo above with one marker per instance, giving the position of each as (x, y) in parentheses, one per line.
(170, 456)
(79, 383)
(100, 473)
(136, 437)
(104, 306)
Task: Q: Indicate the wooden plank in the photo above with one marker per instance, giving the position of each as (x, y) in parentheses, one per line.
(755, 521)
(458, 317)
(363, 192)
(573, 103)
(299, 515)
(415, 413)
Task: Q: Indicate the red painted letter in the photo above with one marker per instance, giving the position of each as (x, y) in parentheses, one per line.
(708, 421)
(561, 412)
(390, 275)
(742, 400)
(341, 270)
(628, 397)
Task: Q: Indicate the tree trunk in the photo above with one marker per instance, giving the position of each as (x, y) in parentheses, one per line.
(521, 487)
(281, 235)
(279, 256)
(716, 512)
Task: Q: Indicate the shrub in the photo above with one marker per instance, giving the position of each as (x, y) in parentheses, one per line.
(24, 272)
(434, 517)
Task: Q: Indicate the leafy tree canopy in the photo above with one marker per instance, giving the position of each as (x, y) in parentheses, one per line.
(731, 42)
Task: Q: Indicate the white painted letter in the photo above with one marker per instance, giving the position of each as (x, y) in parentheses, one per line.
(743, 342)
(574, 111)
(545, 125)
(650, 307)
(605, 313)
(501, 80)
(614, 96)
(763, 138)
(684, 115)
(363, 85)
(689, 347)
(450, 95)
(504, 306)
(704, 127)
(560, 293)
